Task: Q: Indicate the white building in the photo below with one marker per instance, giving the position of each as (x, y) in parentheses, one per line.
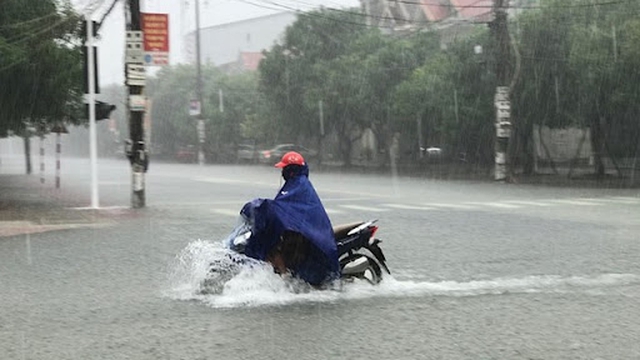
(223, 44)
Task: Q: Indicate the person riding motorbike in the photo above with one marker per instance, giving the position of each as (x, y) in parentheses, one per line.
(293, 231)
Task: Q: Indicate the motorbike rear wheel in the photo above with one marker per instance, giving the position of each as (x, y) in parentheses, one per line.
(370, 272)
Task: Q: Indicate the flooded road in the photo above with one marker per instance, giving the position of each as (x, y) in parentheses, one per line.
(479, 271)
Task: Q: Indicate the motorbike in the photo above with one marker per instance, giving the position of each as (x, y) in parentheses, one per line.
(359, 254)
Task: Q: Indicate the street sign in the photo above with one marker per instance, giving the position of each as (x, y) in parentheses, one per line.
(502, 114)
(503, 129)
(134, 53)
(194, 108)
(135, 75)
(156, 39)
(201, 134)
(502, 90)
(137, 103)
(503, 105)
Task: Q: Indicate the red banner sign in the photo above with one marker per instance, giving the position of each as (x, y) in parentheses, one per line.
(155, 29)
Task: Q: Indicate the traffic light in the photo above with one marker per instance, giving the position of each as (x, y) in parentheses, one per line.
(103, 110)
(96, 27)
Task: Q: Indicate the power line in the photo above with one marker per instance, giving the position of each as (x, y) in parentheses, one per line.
(20, 59)
(92, 6)
(356, 13)
(20, 38)
(279, 7)
(104, 16)
(523, 7)
(425, 23)
(308, 14)
(26, 22)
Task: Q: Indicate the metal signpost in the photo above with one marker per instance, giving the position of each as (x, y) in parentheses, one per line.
(91, 99)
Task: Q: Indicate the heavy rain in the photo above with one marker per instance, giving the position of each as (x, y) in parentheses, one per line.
(319, 179)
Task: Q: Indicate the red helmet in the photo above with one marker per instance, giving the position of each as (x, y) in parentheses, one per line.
(290, 158)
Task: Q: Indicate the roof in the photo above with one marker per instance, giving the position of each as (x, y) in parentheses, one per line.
(248, 20)
(435, 10)
(472, 9)
(250, 60)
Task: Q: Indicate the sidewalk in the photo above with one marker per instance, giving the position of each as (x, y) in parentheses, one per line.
(582, 177)
(27, 207)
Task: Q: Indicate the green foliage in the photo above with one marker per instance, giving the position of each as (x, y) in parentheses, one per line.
(41, 66)
(240, 119)
(578, 65)
(333, 57)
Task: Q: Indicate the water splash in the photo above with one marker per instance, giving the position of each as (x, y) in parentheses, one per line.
(258, 285)
(189, 268)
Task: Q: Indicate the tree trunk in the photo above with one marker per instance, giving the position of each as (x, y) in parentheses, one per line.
(546, 151)
(346, 151)
(523, 156)
(573, 161)
(528, 162)
(597, 145)
(605, 142)
(635, 159)
(27, 153)
(344, 143)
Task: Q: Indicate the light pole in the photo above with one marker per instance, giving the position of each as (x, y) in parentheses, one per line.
(200, 126)
(93, 142)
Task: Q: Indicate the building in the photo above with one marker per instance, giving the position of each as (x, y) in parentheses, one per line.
(238, 45)
(451, 18)
(399, 15)
(246, 61)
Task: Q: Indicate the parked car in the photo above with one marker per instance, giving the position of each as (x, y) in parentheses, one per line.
(187, 154)
(247, 153)
(431, 154)
(272, 156)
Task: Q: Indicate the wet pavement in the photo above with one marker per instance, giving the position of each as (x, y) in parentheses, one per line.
(28, 207)
(480, 271)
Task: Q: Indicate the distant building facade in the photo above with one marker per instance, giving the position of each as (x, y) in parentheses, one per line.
(451, 18)
(238, 46)
(399, 15)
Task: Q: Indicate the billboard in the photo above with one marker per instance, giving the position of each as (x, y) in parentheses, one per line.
(155, 40)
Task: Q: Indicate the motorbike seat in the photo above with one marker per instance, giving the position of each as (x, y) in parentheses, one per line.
(341, 231)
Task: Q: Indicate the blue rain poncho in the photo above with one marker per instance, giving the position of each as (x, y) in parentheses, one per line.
(297, 208)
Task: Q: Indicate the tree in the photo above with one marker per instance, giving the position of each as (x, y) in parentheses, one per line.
(333, 57)
(449, 94)
(575, 72)
(293, 74)
(239, 117)
(42, 70)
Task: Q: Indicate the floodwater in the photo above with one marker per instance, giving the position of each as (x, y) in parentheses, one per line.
(478, 272)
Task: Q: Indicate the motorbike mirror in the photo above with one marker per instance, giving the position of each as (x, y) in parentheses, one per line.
(242, 239)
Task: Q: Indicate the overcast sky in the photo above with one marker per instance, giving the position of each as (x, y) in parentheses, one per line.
(181, 21)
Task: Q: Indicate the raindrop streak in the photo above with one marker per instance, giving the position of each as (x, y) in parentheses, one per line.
(28, 243)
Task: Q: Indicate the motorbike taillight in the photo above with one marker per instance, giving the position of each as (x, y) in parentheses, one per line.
(374, 229)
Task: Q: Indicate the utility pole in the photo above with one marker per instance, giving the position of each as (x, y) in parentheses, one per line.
(134, 68)
(201, 129)
(502, 103)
